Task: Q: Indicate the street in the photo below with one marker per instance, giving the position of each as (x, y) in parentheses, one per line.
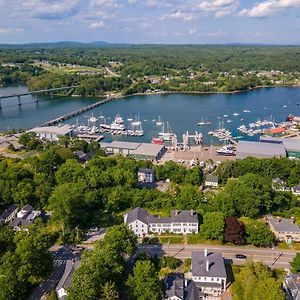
(270, 257)
(61, 255)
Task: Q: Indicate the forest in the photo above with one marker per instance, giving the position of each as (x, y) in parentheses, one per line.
(130, 69)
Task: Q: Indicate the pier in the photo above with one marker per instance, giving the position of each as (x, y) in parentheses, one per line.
(76, 112)
(48, 91)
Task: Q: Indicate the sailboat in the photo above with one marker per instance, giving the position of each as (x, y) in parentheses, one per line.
(202, 122)
(166, 132)
(159, 121)
(136, 121)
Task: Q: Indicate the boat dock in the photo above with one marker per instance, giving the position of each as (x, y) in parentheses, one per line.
(76, 112)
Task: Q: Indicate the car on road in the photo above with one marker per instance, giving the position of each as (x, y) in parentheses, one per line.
(240, 256)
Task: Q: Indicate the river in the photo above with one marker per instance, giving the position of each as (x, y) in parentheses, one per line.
(182, 111)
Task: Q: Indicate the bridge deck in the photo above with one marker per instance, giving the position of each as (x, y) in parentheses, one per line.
(38, 92)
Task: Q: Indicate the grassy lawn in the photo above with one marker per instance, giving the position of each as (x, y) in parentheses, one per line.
(197, 239)
(171, 240)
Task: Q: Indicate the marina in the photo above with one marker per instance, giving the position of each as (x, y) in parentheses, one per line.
(158, 118)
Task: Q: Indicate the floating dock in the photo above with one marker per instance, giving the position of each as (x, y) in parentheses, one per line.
(76, 112)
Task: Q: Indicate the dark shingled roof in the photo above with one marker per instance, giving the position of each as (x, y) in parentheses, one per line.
(211, 178)
(137, 214)
(27, 208)
(146, 171)
(177, 216)
(293, 284)
(216, 264)
(9, 211)
(175, 287)
(192, 292)
(66, 279)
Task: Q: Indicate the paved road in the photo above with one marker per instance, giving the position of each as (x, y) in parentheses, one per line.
(268, 256)
(61, 255)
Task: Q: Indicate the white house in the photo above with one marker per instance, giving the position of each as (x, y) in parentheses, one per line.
(65, 281)
(146, 176)
(279, 185)
(296, 190)
(26, 210)
(208, 273)
(9, 214)
(211, 180)
(181, 222)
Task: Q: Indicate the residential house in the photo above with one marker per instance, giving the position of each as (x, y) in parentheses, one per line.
(296, 190)
(180, 221)
(291, 284)
(279, 185)
(177, 288)
(211, 181)
(25, 211)
(146, 176)
(65, 281)
(208, 273)
(284, 229)
(83, 157)
(9, 214)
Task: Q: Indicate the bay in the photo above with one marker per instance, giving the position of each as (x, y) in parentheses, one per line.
(182, 111)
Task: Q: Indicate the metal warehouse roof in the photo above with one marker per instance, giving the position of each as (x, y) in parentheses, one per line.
(289, 143)
(148, 149)
(123, 145)
(259, 149)
(63, 130)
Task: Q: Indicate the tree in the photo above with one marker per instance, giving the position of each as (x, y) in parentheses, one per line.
(295, 264)
(170, 262)
(109, 291)
(256, 281)
(144, 283)
(259, 234)
(234, 231)
(213, 226)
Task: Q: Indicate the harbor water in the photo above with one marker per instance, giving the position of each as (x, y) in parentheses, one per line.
(183, 112)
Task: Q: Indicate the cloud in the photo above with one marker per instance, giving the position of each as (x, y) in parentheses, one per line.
(97, 25)
(268, 8)
(193, 31)
(51, 9)
(111, 4)
(219, 7)
(4, 31)
(179, 14)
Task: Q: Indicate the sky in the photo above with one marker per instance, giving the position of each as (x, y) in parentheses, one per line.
(151, 21)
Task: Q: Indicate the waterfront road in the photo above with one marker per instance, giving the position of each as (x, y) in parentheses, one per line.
(60, 255)
(275, 258)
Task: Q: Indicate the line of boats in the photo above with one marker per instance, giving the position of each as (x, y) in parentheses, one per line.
(258, 127)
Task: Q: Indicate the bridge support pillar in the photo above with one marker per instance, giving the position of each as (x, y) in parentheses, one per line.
(19, 99)
(52, 96)
(36, 98)
(0, 105)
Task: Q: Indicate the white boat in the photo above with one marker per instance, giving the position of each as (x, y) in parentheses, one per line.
(166, 132)
(225, 116)
(136, 121)
(235, 114)
(159, 121)
(229, 121)
(246, 111)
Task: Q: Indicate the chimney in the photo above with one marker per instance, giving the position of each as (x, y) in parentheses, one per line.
(293, 219)
(278, 219)
(176, 212)
(205, 252)
(207, 265)
(192, 212)
(298, 279)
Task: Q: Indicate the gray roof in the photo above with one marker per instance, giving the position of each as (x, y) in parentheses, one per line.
(27, 208)
(259, 149)
(184, 216)
(296, 188)
(289, 143)
(146, 171)
(292, 282)
(216, 264)
(63, 130)
(66, 279)
(137, 214)
(9, 211)
(278, 181)
(192, 292)
(180, 216)
(148, 149)
(211, 178)
(175, 287)
(282, 224)
(122, 145)
(20, 222)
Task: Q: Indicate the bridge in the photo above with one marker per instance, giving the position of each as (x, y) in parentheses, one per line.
(51, 91)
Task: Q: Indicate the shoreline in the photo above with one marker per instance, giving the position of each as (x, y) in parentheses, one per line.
(191, 92)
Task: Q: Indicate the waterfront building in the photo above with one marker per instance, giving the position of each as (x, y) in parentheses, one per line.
(146, 176)
(52, 133)
(292, 146)
(145, 151)
(284, 229)
(209, 274)
(180, 221)
(259, 150)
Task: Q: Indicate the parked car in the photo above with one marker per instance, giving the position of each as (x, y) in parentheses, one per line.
(240, 256)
